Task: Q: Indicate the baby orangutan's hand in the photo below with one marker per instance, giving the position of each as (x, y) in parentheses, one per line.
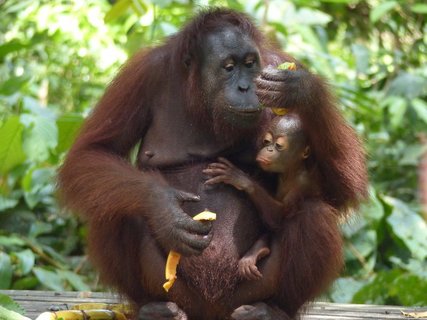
(248, 269)
(247, 265)
(224, 171)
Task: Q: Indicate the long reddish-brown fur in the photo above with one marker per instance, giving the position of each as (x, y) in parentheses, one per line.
(118, 200)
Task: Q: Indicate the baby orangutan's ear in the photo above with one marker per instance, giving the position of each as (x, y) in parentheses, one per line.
(306, 152)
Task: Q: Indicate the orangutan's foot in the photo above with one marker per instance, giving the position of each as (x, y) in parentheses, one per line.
(161, 311)
(259, 311)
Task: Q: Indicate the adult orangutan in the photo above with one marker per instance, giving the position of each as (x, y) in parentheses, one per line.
(189, 101)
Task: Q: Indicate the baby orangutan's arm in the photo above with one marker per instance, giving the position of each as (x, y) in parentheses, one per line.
(224, 171)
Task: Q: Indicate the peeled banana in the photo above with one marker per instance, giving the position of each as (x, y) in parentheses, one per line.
(174, 257)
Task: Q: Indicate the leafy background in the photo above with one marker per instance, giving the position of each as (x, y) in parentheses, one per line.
(56, 57)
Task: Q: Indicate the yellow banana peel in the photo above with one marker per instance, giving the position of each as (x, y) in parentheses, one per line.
(174, 257)
(82, 315)
(118, 307)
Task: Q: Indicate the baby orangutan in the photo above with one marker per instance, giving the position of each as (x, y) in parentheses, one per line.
(285, 151)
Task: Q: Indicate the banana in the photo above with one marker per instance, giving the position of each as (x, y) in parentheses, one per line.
(170, 269)
(287, 66)
(174, 257)
(119, 307)
(82, 315)
(284, 66)
(205, 215)
(279, 111)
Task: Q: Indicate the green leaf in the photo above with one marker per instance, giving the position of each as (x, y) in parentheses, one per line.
(49, 279)
(373, 209)
(10, 304)
(334, 1)
(11, 241)
(25, 283)
(38, 185)
(410, 290)
(412, 154)
(26, 260)
(6, 271)
(40, 137)
(397, 109)
(139, 7)
(364, 242)
(409, 227)
(345, 288)
(416, 267)
(408, 85)
(74, 279)
(312, 17)
(420, 107)
(377, 291)
(39, 228)
(419, 8)
(11, 46)
(362, 55)
(118, 9)
(11, 152)
(60, 260)
(68, 127)
(6, 314)
(13, 85)
(381, 10)
(7, 203)
(163, 3)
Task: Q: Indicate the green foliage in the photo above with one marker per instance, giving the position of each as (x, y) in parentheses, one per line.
(56, 58)
(9, 303)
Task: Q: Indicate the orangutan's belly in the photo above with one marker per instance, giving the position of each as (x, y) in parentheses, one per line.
(214, 273)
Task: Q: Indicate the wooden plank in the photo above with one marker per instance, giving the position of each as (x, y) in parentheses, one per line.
(36, 302)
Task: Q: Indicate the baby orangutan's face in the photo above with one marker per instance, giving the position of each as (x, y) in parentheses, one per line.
(284, 146)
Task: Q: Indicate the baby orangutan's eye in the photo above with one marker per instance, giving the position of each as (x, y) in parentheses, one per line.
(281, 143)
(279, 146)
(268, 139)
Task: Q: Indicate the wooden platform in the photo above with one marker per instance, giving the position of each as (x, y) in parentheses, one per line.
(36, 302)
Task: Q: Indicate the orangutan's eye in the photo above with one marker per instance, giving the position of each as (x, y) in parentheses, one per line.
(229, 67)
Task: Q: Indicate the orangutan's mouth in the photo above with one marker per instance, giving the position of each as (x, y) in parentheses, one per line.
(263, 162)
(245, 110)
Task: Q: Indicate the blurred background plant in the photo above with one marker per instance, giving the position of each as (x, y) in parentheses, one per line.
(57, 56)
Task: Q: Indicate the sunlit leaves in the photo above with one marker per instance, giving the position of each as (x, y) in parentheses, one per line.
(381, 10)
(409, 227)
(117, 10)
(11, 151)
(393, 287)
(68, 127)
(419, 8)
